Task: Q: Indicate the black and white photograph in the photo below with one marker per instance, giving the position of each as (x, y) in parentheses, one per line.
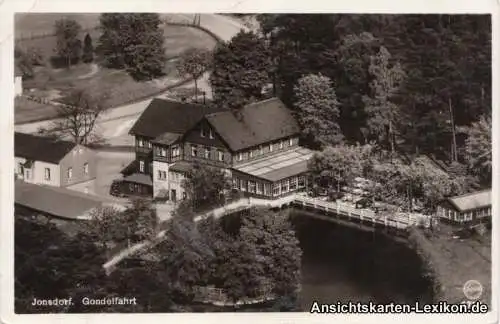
(233, 162)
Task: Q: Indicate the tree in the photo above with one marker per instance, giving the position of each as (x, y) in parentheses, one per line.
(478, 147)
(276, 246)
(380, 107)
(88, 49)
(139, 221)
(241, 70)
(205, 187)
(23, 62)
(65, 263)
(78, 115)
(102, 225)
(317, 109)
(68, 45)
(194, 62)
(134, 42)
(341, 163)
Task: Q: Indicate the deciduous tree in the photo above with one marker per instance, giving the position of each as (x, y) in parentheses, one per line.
(134, 42)
(68, 45)
(205, 187)
(317, 109)
(78, 115)
(241, 70)
(194, 62)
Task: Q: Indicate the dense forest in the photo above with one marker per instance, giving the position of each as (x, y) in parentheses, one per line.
(411, 83)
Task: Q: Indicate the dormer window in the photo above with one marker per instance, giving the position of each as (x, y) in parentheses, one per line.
(210, 133)
(202, 132)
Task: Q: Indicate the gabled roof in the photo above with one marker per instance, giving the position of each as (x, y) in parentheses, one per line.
(40, 148)
(168, 116)
(470, 201)
(58, 202)
(255, 124)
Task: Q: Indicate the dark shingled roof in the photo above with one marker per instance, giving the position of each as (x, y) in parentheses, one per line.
(40, 148)
(167, 116)
(59, 202)
(258, 123)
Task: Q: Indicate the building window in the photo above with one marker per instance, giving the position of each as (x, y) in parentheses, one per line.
(240, 156)
(281, 145)
(163, 152)
(86, 168)
(243, 185)
(207, 152)
(176, 151)
(261, 148)
(259, 188)
(140, 142)
(28, 174)
(141, 166)
(271, 147)
(267, 189)
(210, 133)
(284, 186)
(149, 144)
(293, 183)
(290, 142)
(162, 175)
(235, 183)
(194, 150)
(202, 131)
(70, 173)
(47, 174)
(220, 155)
(251, 186)
(251, 154)
(276, 189)
(302, 181)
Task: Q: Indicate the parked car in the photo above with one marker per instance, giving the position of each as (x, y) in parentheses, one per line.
(364, 203)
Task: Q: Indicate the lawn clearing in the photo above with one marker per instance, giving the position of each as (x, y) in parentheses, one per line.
(455, 261)
(28, 111)
(118, 87)
(34, 24)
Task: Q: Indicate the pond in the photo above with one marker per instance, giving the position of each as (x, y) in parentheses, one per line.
(346, 264)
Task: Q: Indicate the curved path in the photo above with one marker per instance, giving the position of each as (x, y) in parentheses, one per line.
(117, 121)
